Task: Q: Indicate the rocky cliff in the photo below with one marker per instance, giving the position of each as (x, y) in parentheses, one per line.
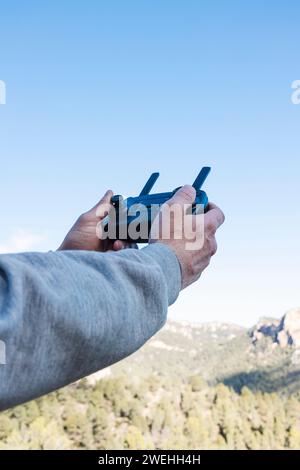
(283, 332)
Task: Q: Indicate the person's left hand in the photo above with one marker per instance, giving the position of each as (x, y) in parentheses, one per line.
(83, 234)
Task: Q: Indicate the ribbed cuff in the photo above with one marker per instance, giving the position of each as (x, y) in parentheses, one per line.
(166, 258)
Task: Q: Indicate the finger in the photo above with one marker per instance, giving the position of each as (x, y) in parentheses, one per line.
(210, 206)
(214, 218)
(121, 245)
(118, 245)
(184, 196)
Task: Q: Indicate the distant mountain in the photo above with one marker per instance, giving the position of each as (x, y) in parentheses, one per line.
(283, 332)
(266, 357)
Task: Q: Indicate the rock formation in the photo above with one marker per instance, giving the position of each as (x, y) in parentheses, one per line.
(283, 332)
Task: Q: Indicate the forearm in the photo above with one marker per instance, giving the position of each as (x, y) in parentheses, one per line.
(65, 315)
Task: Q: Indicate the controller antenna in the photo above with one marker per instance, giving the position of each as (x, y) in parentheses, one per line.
(149, 185)
(199, 181)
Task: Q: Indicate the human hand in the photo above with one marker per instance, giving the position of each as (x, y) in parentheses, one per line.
(84, 234)
(195, 260)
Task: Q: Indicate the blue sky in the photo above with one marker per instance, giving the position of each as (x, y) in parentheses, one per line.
(102, 93)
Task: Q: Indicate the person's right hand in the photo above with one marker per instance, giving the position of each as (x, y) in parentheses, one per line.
(193, 261)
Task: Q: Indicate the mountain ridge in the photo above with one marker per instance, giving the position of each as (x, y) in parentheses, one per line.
(222, 352)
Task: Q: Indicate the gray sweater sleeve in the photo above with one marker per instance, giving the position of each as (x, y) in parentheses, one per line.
(64, 315)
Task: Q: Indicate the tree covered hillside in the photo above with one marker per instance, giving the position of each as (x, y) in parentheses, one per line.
(153, 413)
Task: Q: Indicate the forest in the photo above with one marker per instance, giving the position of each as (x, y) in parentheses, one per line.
(154, 412)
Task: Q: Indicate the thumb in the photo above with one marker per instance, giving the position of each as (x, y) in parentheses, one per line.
(183, 199)
(184, 196)
(104, 202)
(106, 198)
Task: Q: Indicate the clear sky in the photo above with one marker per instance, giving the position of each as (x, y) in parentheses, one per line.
(102, 93)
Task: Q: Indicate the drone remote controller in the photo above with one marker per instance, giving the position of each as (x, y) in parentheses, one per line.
(140, 211)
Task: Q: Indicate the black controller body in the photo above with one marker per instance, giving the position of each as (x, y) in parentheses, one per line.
(131, 219)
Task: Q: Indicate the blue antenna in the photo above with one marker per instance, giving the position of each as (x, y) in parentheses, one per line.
(199, 181)
(149, 185)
